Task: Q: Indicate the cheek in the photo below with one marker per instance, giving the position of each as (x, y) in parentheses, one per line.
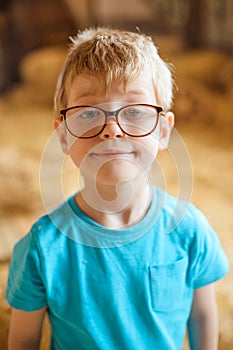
(77, 150)
(148, 149)
(153, 147)
(154, 142)
(150, 146)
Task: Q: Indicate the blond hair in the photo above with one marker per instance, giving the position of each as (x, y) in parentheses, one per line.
(114, 55)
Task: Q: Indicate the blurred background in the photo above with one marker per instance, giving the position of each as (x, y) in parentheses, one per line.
(194, 35)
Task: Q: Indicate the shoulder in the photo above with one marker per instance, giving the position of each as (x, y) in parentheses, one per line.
(184, 221)
(179, 215)
(47, 230)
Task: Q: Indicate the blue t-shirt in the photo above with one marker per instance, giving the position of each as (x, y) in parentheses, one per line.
(129, 289)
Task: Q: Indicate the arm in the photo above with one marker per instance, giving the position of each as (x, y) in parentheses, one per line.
(203, 321)
(25, 329)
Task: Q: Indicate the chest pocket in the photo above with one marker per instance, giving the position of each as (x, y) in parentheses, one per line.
(168, 285)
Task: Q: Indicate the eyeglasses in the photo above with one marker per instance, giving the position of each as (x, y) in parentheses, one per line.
(135, 120)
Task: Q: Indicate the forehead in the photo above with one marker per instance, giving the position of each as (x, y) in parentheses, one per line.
(84, 86)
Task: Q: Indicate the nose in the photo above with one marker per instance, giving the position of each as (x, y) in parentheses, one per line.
(111, 130)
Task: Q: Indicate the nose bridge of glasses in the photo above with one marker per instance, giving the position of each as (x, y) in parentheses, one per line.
(111, 114)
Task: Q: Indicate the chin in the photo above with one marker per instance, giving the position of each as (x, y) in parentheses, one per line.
(113, 174)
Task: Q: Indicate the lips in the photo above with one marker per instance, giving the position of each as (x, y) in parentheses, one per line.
(113, 153)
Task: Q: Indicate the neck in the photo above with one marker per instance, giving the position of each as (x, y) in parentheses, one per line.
(115, 206)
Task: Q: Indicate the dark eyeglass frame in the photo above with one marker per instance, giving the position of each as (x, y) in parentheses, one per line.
(110, 113)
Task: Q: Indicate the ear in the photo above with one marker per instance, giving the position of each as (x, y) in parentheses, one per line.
(61, 132)
(166, 124)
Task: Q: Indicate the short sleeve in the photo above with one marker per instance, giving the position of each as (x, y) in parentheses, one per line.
(209, 262)
(25, 289)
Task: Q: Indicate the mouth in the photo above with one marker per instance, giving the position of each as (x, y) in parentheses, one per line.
(113, 154)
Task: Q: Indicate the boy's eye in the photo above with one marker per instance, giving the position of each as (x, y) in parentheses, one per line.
(133, 112)
(88, 114)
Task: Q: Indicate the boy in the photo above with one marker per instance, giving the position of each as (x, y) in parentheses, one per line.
(102, 264)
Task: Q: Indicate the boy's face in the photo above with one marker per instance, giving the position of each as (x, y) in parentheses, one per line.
(113, 156)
